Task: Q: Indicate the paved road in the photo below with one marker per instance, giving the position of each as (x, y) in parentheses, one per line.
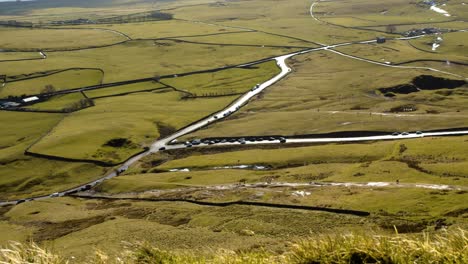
(331, 139)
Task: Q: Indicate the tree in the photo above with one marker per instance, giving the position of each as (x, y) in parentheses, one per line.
(49, 88)
(156, 77)
(391, 28)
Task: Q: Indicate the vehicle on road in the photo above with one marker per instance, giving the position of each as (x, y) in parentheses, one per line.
(55, 194)
(405, 134)
(395, 134)
(419, 132)
(162, 148)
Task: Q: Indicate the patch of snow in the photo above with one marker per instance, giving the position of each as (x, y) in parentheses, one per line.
(180, 170)
(301, 193)
(254, 167)
(378, 184)
(440, 11)
(433, 186)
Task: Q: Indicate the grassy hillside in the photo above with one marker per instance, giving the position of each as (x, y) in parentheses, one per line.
(446, 247)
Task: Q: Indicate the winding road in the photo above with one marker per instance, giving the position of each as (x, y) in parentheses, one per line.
(243, 100)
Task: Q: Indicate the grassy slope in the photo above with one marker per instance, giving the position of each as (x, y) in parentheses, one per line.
(452, 44)
(141, 59)
(60, 81)
(251, 38)
(370, 13)
(123, 89)
(438, 162)
(95, 224)
(397, 51)
(339, 248)
(230, 81)
(34, 176)
(58, 102)
(45, 39)
(19, 55)
(280, 17)
(312, 100)
(136, 117)
(165, 29)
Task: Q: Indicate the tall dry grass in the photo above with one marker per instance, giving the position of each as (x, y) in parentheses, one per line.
(444, 247)
(17, 253)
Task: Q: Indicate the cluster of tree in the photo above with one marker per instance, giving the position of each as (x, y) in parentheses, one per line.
(152, 16)
(15, 23)
(83, 103)
(391, 28)
(213, 94)
(49, 88)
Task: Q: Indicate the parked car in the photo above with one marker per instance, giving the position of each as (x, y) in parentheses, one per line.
(405, 134)
(395, 134)
(419, 133)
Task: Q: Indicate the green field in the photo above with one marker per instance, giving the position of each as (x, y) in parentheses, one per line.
(311, 100)
(369, 13)
(410, 161)
(452, 44)
(232, 81)
(139, 71)
(140, 118)
(143, 59)
(52, 39)
(59, 102)
(21, 175)
(165, 29)
(397, 51)
(19, 55)
(250, 38)
(60, 81)
(123, 89)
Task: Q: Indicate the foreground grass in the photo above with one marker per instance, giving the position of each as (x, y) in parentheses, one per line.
(446, 247)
